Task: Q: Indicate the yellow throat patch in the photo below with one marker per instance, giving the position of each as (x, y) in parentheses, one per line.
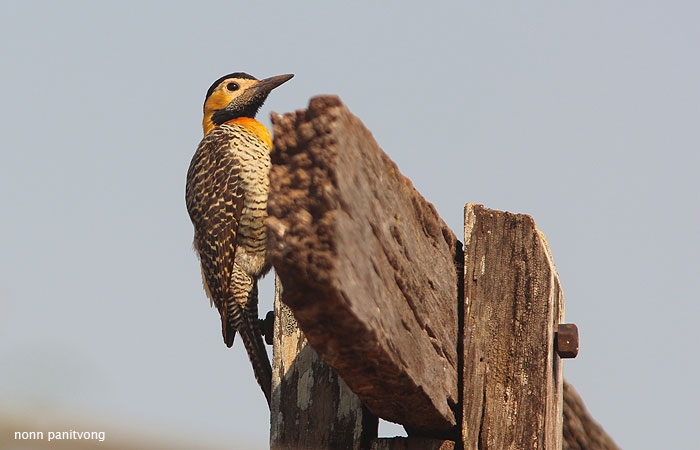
(255, 128)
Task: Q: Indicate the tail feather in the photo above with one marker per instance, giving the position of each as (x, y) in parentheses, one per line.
(229, 333)
(255, 346)
(244, 320)
(230, 321)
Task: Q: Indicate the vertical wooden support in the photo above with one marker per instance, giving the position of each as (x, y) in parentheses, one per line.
(512, 376)
(311, 407)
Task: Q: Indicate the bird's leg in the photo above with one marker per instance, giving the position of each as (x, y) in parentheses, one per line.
(267, 326)
(245, 290)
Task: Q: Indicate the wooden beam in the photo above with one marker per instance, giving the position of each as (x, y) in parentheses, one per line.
(411, 443)
(311, 407)
(513, 304)
(581, 432)
(367, 265)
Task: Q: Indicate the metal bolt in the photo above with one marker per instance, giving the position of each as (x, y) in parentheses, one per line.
(566, 340)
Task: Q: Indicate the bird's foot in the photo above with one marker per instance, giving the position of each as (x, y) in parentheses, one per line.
(267, 327)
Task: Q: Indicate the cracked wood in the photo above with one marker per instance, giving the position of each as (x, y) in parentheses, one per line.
(311, 407)
(513, 303)
(367, 265)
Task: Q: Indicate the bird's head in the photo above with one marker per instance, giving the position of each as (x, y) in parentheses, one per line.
(237, 95)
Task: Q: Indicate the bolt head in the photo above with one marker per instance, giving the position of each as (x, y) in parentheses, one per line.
(566, 340)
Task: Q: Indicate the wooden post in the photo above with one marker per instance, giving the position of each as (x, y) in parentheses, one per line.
(457, 347)
(513, 303)
(311, 407)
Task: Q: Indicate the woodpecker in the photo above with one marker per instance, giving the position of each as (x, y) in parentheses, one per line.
(226, 197)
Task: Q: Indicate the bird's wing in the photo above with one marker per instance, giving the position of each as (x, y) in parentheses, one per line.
(214, 200)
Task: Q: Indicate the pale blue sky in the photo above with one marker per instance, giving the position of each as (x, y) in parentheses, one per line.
(585, 115)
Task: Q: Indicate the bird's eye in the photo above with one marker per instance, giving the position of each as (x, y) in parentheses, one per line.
(232, 86)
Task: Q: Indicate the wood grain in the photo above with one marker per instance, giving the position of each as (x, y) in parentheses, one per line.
(513, 304)
(367, 265)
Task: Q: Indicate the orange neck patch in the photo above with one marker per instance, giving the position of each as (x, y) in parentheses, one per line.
(254, 127)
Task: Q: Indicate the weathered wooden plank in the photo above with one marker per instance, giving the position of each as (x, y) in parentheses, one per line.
(581, 431)
(513, 303)
(367, 265)
(311, 407)
(411, 443)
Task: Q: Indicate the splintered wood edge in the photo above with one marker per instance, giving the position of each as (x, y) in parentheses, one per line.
(307, 139)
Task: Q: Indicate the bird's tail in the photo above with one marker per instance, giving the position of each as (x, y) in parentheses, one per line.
(251, 334)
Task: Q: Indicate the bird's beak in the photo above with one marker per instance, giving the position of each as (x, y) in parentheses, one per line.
(265, 86)
(249, 102)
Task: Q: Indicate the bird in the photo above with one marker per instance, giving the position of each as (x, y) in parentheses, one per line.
(226, 198)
